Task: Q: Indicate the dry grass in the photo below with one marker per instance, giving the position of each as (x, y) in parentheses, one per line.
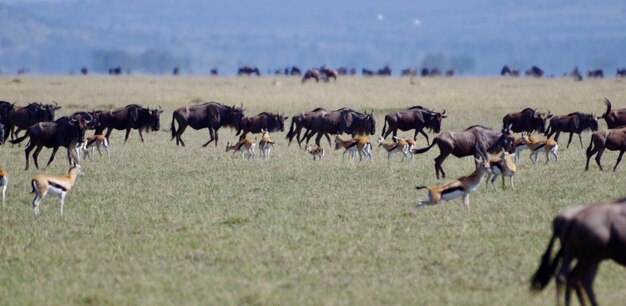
(160, 224)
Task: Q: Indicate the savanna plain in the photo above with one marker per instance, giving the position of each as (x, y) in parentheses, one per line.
(159, 224)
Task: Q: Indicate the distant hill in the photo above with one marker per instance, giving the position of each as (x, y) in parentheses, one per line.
(152, 36)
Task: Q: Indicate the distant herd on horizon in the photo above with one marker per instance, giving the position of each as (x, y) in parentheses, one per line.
(586, 233)
(325, 73)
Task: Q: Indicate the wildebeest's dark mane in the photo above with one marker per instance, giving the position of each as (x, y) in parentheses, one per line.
(478, 125)
(579, 114)
(267, 114)
(319, 109)
(528, 109)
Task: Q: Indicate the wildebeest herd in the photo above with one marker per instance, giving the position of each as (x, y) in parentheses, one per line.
(587, 234)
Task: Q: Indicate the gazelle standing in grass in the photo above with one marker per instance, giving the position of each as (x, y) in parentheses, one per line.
(4, 182)
(93, 142)
(360, 145)
(549, 146)
(411, 142)
(315, 150)
(399, 145)
(243, 146)
(462, 186)
(504, 167)
(60, 185)
(266, 144)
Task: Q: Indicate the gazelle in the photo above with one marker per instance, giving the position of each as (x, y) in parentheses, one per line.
(243, 146)
(354, 145)
(462, 186)
(4, 181)
(547, 145)
(411, 142)
(399, 145)
(503, 166)
(94, 142)
(60, 185)
(519, 145)
(315, 150)
(266, 144)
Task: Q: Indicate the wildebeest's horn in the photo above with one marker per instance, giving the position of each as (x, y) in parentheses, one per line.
(55, 103)
(159, 107)
(444, 111)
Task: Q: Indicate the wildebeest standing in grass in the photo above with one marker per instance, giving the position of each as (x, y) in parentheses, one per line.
(573, 123)
(612, 139)
(343, 120)
(534, 71)
(5, 110)
(270, 122)
(21, 118)
(614, 118)
(302, 121)
(506, 70)
(311, 74)
(328, 73)
(528, 120)
(64, 132)
(211, 115)
(475, 141)
(593, 234)
(247, 70)
(132, 116)
(416, 118)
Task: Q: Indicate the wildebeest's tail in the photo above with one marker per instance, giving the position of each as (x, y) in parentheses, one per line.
(18, 140)
(547, 132)
(172, 126)
(608, 108)
(546, 269)
(384, 128)
(290, 133)
(422, 150)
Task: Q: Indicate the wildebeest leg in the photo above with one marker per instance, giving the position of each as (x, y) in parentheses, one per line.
(590, 152)
(425, 135)
(619, 159)
(54, 151)
(599, 156)
(27, 153)
(328, 138)
(211, 137)
(556, 137)
(318, 138)
(140, 134)
(438, 161)
(179, 133)
(36, 156)
(580, 137)
(127, 133)
(570, 141)
(587, 282)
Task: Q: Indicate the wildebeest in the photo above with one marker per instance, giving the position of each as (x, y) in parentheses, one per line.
(328, 73)
(528, 120)
(115, 71)
(295, 71)
(270, 122)
(311, 74)
(84, 71)
(414, 118)
(534, 71)
(64, 132)
(476, 140)
(129, 117)
(21, 118)
(408, 72)
(506, 70)
(214, 71)
(450, 72)
(620, 72)
(247, 70)
(211, 115)
(302, 121)
(367, 72)
(612, 139)
(614, 118)
(575, 73)
(385, 71)
(588, 236)
(573, 123)
(5, 109)
(343, 120)
(595, 73)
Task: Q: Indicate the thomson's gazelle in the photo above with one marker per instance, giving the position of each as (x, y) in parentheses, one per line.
(266, 144)
(399, 145)
(60, 185)
(4, 181)
(243, 146)
(462, 186)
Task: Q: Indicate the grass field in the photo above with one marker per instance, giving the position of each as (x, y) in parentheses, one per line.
(159, 224)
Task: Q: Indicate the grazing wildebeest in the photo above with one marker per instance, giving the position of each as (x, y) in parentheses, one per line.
(534, 71)
(115, 71)
(476, 140)
(129, 117)
(409, 72)
(328, 73)
(612, 139)
(302, 121)
(424, 72)
(311, 74)
(21, 118)
(528, 120)
(620, 72)
(575, 73)
(385, 71)
(295, 71)
(591, 234)
(595, 73)
(573, 123)
(614, 118)
(247, 70)
(416, 118)
(262, 122)
(367, 72)
(211, 115)
(64, 132)
(506, 70)
(343, 120)
(214, 71)
(84, 71)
